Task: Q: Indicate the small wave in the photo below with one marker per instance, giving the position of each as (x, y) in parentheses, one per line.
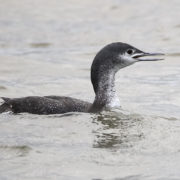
(174, 54)
(8, 152)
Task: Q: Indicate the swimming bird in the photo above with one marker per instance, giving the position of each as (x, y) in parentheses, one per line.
(107, 62)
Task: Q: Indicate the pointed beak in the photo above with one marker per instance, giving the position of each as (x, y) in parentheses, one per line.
(147, 56)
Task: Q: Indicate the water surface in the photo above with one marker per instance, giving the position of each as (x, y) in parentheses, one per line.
(46, 47)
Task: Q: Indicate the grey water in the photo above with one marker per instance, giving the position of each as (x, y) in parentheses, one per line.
(46, 48)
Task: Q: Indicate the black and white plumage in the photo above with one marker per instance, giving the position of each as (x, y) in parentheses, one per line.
(106, 63)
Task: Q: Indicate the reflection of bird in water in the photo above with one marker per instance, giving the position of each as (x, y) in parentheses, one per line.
(104, 67)
(117, 130)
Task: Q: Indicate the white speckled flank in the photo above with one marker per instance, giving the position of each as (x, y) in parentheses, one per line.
(114, 103)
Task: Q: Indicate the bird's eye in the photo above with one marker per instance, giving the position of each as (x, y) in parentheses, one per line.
(130, 51)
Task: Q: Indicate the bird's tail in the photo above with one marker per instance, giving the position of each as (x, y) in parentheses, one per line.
(5, 106)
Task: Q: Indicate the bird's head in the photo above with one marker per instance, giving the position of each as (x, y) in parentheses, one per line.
(115, 56)
(119, 55)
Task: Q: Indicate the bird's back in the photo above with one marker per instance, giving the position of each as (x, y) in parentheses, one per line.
(44, 105)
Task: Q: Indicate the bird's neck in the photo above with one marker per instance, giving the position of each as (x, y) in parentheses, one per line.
(105, 93)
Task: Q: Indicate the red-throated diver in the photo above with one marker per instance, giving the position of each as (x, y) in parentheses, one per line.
(106, 63)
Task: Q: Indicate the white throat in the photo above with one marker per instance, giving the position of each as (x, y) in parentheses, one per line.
(113, 100)
(106, 97)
